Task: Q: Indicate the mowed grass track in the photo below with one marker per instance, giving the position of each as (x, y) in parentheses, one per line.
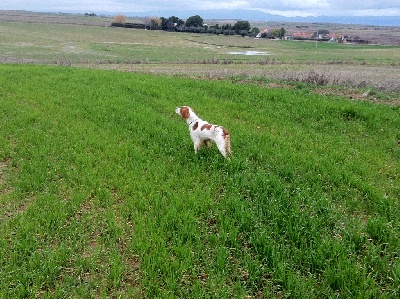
(101, 194)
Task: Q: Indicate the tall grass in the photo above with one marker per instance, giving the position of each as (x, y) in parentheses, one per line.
(102, 195)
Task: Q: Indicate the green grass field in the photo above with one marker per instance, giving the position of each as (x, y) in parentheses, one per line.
(101, 194)
(47, 43)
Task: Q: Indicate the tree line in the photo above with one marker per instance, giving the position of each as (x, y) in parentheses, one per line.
(195, 24)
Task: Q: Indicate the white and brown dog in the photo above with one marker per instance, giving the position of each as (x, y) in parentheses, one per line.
(202, 132)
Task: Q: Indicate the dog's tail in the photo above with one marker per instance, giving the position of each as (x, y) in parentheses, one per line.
(228, 147)
(227, 137)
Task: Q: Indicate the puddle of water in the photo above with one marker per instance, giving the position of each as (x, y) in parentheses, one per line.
(248, 53)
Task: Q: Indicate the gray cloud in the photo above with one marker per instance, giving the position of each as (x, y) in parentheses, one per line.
(283, 7)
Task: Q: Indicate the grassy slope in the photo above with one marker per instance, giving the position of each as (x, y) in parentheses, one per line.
(102, 195)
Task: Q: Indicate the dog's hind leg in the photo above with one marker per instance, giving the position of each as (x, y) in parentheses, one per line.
(228, 146)
(222, 148)
(197, 145)
(207, 143)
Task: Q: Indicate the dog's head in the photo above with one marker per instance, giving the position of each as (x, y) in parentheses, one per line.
(184, 111)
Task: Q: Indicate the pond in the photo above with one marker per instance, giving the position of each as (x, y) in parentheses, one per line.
(248, 53)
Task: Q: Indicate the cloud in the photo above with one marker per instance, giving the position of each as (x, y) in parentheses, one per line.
(282, 7)
(292, 4)
(331, 8)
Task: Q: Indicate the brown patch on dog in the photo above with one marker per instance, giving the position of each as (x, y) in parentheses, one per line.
(195, 126)
(206, 127)
(185, 112)
(225, 133)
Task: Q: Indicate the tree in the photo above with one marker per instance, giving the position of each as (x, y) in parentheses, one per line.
(320, 32)
(120, 19)
(267, 33)
(176, 20)
(241, 26)
(255, 31)
(155, 23)
(278, 33)
(194, 21)
(283, 32)
(164, 23)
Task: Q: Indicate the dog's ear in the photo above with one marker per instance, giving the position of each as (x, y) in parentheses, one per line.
(185, 112)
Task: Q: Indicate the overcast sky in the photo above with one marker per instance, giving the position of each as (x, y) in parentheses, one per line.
(280, 7)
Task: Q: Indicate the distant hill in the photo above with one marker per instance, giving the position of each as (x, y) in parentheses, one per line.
(253, 15)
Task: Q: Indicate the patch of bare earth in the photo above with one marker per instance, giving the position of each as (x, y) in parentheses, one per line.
(384, 78)
(3, 186)
(357, 95)
(9, 209)
(347, 92)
